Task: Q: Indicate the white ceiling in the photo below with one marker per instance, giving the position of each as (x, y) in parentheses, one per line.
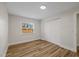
(32, 9)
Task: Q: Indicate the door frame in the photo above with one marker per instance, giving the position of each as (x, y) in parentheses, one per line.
(75, 26)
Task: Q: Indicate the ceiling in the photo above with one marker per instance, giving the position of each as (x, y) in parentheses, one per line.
(32, 9)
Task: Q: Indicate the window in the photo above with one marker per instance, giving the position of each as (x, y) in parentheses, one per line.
(27, 27)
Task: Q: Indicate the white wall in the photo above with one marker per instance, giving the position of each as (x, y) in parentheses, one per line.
(3, 29)
(61, 29)
(15, 33)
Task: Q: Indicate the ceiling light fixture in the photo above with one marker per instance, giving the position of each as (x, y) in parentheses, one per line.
(42, 7)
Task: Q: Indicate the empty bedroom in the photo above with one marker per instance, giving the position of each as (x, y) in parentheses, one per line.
(39, 29)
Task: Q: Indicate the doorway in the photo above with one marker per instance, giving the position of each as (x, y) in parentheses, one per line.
(77, 18)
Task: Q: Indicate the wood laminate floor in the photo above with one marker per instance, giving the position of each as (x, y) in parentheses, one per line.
(38, 48)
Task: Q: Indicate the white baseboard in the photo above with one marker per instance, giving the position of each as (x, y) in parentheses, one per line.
(63, 46)
(9, 44)
(37, 39)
